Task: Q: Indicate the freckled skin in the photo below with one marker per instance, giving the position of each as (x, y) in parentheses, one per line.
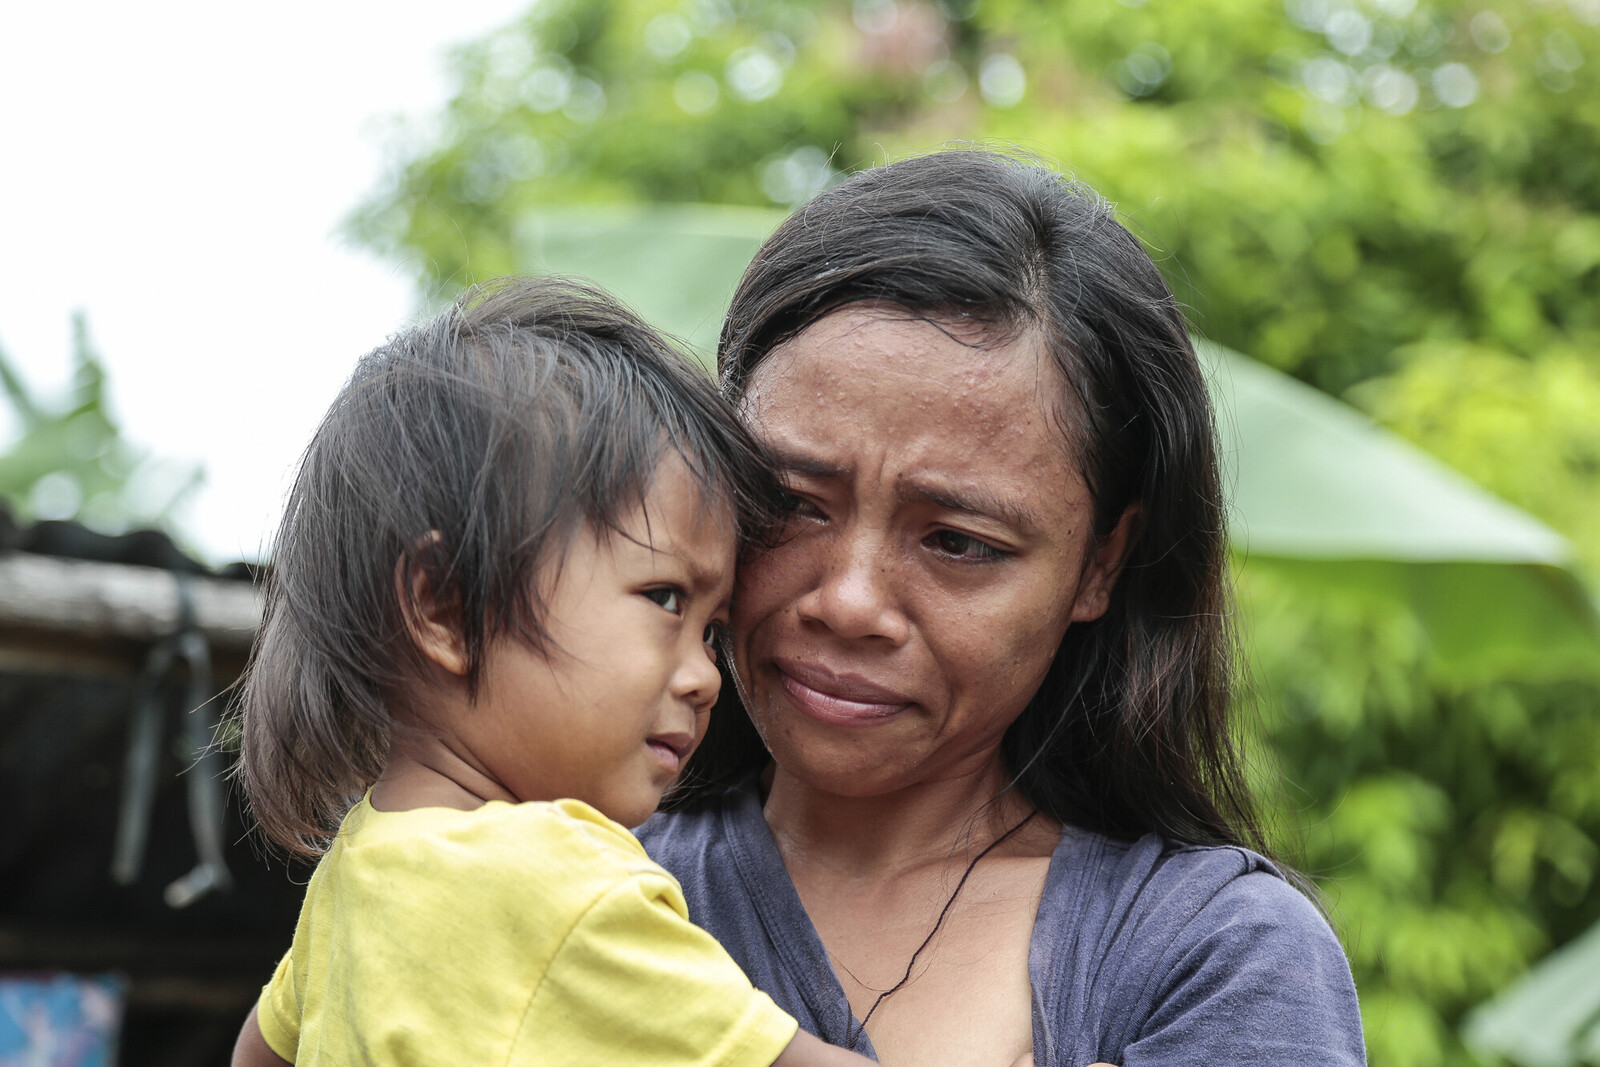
(957, 612)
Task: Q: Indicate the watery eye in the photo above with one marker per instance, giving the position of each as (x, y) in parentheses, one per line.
(963, 546)
(668, 598)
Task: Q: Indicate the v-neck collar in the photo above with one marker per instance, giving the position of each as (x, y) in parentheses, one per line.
(804, 958)
(783, 917)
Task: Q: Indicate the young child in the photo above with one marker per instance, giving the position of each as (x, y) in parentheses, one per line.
(490, 638)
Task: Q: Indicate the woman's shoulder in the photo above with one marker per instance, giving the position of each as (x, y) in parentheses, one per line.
(1181, 875)
(1181, 938)
(1156, 894)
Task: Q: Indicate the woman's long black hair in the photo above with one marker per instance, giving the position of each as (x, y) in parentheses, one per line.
(1129, 733)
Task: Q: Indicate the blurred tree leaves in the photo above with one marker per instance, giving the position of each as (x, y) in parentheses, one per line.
(1449, 811)
(1530, 428)
(70, 460)
(1397, 201)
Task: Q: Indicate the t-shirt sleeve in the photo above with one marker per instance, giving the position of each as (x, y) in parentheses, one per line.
(635, 982)
(1257, 976)
(278, 1010)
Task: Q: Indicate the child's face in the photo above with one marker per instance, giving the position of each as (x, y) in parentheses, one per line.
(613, 712)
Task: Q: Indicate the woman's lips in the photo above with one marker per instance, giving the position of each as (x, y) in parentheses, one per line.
(843, 699)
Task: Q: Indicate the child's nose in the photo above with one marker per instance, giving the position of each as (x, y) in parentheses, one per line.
(698, 681)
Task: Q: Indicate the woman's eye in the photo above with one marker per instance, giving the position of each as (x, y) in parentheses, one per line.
(794, 505)
(668, 598)
(964, 546)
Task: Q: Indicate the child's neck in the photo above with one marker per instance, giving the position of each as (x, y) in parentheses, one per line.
(423, 772)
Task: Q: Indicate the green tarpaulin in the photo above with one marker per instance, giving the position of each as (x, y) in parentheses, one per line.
(1551, 1017)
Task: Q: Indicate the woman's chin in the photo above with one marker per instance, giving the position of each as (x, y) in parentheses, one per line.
(838, 760)
(841, 779)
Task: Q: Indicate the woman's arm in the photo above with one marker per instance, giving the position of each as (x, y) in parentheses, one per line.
(251, 1049)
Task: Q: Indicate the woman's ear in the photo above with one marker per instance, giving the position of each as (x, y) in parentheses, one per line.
(432, 617)
(1103, 565)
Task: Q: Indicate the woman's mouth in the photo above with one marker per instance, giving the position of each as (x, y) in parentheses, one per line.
(841, 699)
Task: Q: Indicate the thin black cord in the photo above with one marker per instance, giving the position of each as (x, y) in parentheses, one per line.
(852, 1034)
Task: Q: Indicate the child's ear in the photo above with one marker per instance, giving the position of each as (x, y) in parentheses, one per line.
(432, 618)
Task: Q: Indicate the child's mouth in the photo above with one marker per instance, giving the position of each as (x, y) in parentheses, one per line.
(671, 750)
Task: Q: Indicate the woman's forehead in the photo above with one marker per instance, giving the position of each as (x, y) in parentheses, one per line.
(863, 396)
(907, 366)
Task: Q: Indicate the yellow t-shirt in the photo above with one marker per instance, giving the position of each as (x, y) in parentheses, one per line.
(513, 934)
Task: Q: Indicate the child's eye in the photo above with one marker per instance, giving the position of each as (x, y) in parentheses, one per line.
(715, 634)
(668, 597)
(962, 546)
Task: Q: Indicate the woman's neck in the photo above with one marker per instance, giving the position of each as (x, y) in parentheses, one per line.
(884, 836)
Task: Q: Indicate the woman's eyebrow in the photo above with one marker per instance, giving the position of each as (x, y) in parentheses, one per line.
(973, 500)
(799, 463)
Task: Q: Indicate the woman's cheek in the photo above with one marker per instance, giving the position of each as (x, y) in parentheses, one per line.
(1009, 638)
(768, 581)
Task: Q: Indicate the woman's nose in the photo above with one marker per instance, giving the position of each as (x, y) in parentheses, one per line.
(854, 595)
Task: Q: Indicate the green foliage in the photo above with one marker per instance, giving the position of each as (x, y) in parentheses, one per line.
(71, 461)
(587, 101)
(1528, 429)
(1334, 205)
(1451, 816)
(1397, 201)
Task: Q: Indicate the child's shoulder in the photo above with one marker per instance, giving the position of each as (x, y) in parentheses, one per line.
(554, 840)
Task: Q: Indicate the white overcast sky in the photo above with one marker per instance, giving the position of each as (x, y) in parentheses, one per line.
(178, 169)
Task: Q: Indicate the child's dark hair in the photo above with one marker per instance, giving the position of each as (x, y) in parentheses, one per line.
(469, 449)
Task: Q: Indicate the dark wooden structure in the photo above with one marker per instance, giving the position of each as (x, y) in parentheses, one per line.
(100, 656)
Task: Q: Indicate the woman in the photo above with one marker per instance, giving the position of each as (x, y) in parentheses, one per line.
(985, 803)
(989, 655)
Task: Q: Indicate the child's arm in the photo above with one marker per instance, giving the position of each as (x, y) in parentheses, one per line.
(807, 1050)
(251, 1049)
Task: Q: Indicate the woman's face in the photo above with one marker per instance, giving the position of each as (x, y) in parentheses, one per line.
(939, 546)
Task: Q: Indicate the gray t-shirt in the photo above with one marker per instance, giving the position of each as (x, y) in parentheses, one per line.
(1143, 953)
